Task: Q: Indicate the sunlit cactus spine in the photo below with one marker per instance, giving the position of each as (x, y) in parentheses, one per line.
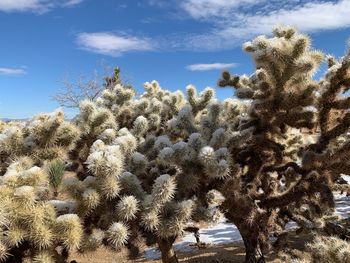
(29, 222)
(92, 121)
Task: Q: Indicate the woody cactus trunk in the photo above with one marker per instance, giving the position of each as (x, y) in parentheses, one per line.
(273, 184)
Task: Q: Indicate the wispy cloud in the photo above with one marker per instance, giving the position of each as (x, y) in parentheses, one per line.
(36, 6)
(159, 3)
(12, 71)
(112, 44)
(72, 2)
(208, 8)
(212, 66)
(309, 17)
(232, 21)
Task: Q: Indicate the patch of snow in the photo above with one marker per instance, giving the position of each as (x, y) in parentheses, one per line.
(342, 202)
(63, 207)
(346, 178)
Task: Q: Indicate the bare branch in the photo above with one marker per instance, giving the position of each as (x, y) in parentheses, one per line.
(72, 93)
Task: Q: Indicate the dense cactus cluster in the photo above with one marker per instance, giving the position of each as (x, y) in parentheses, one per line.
(142, 167)
(45, 137)
(139, 176)
(29, 224)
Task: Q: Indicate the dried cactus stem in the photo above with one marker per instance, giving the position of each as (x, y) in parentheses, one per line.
(166, 248)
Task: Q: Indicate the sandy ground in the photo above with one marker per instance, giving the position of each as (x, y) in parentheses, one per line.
(225, 253)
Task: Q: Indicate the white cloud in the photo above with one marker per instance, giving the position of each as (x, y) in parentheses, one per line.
(72, 2)
(231, 21)
(310, 17)
(212, 66)
(22, 5)
(159, 3)
(37, 6)
(208, 8)
(12, 71)
(112, 44)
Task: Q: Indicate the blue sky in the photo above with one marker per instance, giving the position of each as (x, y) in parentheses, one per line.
(177, 42)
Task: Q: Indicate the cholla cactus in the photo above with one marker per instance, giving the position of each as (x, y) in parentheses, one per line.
(280, 175)
(92, 122)
(11, 141)
(45, 137)
(117, 107)
(139, 173)
(326, 249)
(28, 221)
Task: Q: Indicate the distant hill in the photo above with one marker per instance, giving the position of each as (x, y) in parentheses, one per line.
(26, 119)
(8, 120)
